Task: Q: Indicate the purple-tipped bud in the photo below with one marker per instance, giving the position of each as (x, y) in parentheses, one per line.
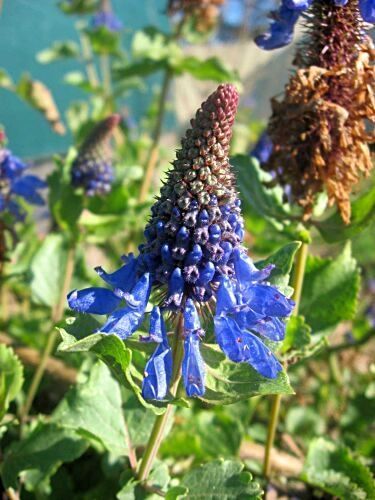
(92, 169)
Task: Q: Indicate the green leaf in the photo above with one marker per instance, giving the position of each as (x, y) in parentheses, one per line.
(218, 480)
(210, 69)
(142, 68)
(58, 51)
(114, 353)
(334, 229)
(266, 201)
(103, 41)
(330, 290)
(11, 377)
(283, 260)
(78, 79)
(297, 336)
(41, 452)
(155, 45)
(78, 6)
(334, 469)
(228, 382)
(158, 478)
(65, 203)
(48, 270)
(93, 408)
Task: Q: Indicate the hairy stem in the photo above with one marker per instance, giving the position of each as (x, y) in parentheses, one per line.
(57, 315)
(297, 284)
(161, 421)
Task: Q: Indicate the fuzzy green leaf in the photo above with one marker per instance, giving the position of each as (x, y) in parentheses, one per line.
(334, 469)
(218, 480)
(297, 336)
(41, 453)
(334, 229)
(114, 353)
(330, 290)
(228, 382)
(11, 377)
(58, 51)
(48, 269)
(93, 408)
(209, 69)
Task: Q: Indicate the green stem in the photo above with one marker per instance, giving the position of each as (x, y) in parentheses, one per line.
(152, 156)
(57, 315)
(297, 283)
(88, 59)
(161, 421)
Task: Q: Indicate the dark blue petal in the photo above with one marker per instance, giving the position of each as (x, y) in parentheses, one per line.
(271, 328)
(175, 288)
(158, 372)
(241, 346)
(124, 278)
(193, 370)
(206, 273)
(124, 322)
(246, 272)
(191, 317)
(194, 256)
(263, 148)
(225, 298)
(260, 356)
(93, 300)
(27, 186)
(367, 10)
(16, 210)
(268, 300)
(157, 326)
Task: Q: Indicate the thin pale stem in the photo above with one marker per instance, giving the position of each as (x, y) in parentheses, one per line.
(105, 66)
(88, 59)
(153, 154)
(161, 421)
(57, 315)
(297, 284)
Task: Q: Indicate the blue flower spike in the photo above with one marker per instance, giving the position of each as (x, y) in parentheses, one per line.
(193, 255)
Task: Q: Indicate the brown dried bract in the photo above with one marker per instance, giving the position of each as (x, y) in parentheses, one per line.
(205, 12)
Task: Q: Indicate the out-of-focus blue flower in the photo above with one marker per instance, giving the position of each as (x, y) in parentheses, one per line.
(92, 169)
(106, 19)
(284, 20)
(263, 148)
(193, 256)
(15, 184)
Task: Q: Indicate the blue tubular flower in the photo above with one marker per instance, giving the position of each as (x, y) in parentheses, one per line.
(14, 184)
(193, 256)
(263, 148)
(158, 370)
(92, 169)
(282, 26)
(108, 20)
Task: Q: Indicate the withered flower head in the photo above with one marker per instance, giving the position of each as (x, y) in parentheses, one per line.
(205, 12)
(319, 128)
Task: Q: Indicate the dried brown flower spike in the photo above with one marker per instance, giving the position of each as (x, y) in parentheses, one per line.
(320, 128)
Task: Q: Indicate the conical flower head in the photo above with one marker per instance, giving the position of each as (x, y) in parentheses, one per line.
(196, 222)
(318, 129)
(194, 260)
(92, 168)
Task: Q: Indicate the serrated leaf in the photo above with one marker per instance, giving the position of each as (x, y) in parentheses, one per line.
(114, 353)
(209, 69)
(37, 95)
(48, 270)
(330, 290)
(334, 229)
(93, 408)
(58, 51)
(333, 468)
(266, 201)
(11, 377)
(228, 382)
(218, 480)
(41, 452)
(297, 335)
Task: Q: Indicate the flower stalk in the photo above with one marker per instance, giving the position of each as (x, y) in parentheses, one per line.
(299, 273)
(161, 421)
(57, 315)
